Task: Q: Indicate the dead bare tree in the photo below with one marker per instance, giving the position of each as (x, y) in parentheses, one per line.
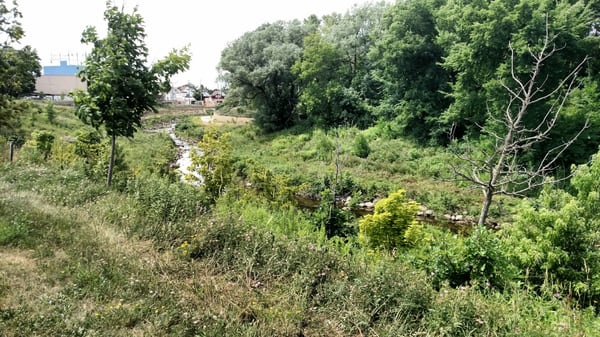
(500, 170)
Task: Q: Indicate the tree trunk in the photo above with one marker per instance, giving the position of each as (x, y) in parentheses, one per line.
(111, 162)
(488, 194)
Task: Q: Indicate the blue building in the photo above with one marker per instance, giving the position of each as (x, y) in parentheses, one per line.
(59, 80)
(63, 69)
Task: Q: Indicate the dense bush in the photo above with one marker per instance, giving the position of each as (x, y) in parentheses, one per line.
(38, 148)
(388, 226)
(95, 152)
(215, 164)
(360, 146)
(555, 240)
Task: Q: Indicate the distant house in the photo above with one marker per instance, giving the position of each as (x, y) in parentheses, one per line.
(59, 80)
(181, 95)
(215, 98)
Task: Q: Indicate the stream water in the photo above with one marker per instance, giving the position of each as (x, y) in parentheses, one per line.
(184, 160)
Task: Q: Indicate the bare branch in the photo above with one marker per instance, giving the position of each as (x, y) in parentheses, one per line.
(499, 171)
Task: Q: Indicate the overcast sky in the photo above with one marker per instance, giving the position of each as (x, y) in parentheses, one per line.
(54, 27)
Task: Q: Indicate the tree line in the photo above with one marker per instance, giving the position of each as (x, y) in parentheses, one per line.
(432, 70)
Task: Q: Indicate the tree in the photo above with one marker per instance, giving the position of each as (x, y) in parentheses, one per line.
(120, 85)
(406, 62)
(10, 27)
(18, 69)
(325, 99)
(257, 67)
(334, 73)
(499, 168)
(474, 35)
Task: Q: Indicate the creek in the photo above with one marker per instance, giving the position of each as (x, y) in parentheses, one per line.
(184, 158)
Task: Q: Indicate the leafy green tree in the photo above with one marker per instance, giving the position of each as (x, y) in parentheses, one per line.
(386, 228)
(324, 99)
(10, 27)
(120, 85)
(257, 68)
(406, 62)
(334, 73)
(474, 35)
(18, 70)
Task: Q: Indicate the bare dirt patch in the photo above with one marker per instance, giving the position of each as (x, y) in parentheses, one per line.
(222, 119)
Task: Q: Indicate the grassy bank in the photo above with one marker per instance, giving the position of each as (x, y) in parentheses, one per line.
(100, 263)
(155, 257)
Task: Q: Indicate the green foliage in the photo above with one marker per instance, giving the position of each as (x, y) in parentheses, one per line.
(215, 164)
(10, 27)
(275, 187)
(478, 56)
(95, 153)
(18, 70)
(188, 129)
(480, 259)
(555, 237)
(583, 105)
(38, 147)
(335, 220)
(387, 296)
(166, 208)
(407, 61)
(120, 85)
(360, 146)
(327, 98)
(323, 146)
(116, 72)
(14, 230)
(248, 268)
(387, 226)
(50, 112)
(258, 68)
(10, 121)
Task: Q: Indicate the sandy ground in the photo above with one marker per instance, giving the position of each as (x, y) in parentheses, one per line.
(220, 119)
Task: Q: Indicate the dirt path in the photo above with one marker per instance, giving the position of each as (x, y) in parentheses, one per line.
(221, 119)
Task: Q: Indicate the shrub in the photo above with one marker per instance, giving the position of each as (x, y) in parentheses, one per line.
(336, 221)
(387, 226)
(164, 206)
(215, 165)
(50, 112)
(39, 147)
(323, 145)
(360, 147)
(555, 240)
(96, 154)
(480, 259)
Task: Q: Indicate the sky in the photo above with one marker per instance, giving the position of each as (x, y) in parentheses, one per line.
(54, 27)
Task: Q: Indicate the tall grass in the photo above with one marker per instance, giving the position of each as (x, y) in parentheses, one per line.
(153, 259)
